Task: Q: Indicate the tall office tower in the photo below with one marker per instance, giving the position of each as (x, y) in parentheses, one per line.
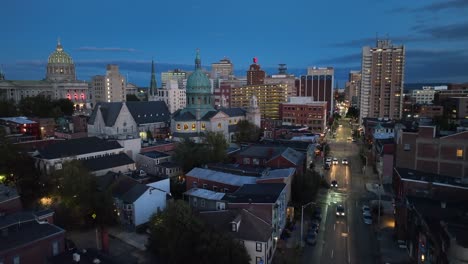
(109, 87)
(318, 84)
(382, 80)
(282, 77)
(174, 97)
(352, 88)
(176, 74)
(269, 97)
(255, 75)
(224, 69)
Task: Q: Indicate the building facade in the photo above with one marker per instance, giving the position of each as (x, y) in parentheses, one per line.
(317, 84)
(176, 74)
(423, 96)
(174, 96)
(303, 111)
(255, 75)
(383, 75)
(224, 69)
(110, 87)
(353, 88)
(60, 83)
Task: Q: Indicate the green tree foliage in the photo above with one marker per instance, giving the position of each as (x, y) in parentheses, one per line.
(353, 112)
(216, 146)
(8, 108)
(305, 186)
(149, 135)
(177, 227)
(41, 106)
(132, 98)
(444, 123)
(76, 190)
(247, 132)
(190, 154)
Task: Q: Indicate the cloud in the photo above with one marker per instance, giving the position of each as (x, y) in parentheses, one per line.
(359, 43)
(347, 59)
(446, 32)
(106, 49)
(434, 7)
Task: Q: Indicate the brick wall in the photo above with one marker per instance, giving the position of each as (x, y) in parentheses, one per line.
(189, 181)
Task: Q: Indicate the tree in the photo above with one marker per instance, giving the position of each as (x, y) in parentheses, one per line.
(132, 98)
(305, 186)
(8, 108)
(177, 227)
(353, 112)
(247, 132)
(216, 147)
(149, 135)
(65, 106)
(190, 154)
(39, 106)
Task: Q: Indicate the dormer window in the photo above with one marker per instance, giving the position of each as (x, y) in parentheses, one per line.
(234, 227)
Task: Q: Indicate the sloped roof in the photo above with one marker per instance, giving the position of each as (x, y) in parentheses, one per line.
(221, 177)
(293, 156)
(183, 116)
(155, 154)
(278, 174)
(149, 112)
(256, 193)
(124, 188)
(134, 193)
(206, 194)
(78, 146)
(107, 162)
(259, 151)
(109, 111)
(234, 111)
(209, 115)
(251, 227)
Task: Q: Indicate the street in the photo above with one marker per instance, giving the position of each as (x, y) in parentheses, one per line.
(343, 239)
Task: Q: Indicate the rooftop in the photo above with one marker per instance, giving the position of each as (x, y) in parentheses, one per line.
(221, 177)
(87, 256)
(205, 194)
(155, 154)
(169, 164)
(107, 162)
(18, 120)
(415, 175)
(256, 193)
(79, 146)
(7, 193)
(123, 187)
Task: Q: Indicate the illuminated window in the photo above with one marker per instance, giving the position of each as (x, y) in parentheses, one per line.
(178, 126)
(193, 126)
(219, 125)
(203, 126)
(459, 153)
(185, 126)
(230, 121)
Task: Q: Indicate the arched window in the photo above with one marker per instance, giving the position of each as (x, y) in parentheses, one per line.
(185, 127)
(203, 126)
(178, 126)
(219, 125)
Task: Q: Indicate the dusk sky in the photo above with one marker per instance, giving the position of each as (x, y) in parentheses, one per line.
(298, 33)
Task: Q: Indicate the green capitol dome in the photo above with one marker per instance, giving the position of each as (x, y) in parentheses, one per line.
(60, 66)
(59, 56)
(198, 82)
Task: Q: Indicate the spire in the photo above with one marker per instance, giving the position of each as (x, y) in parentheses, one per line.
(198, 60)
(153, 84)
(59, 45)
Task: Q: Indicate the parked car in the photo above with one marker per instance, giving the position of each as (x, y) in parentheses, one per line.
(334, 183)
(344, 161)
(340, 211)
(335, 161)
(328, 160)
(353, 140)
(311, 239)
(365, 208)
(313, 227)
(326, 166)
(368, 219)
(350, 138)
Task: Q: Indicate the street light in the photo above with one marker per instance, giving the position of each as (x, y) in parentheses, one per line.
(302, 221)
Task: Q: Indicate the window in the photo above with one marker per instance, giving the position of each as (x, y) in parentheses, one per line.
(407, 147)
(205, 186)
(178, 126)
(259, 247)
(202, 202)
(255, 162)
(193, 126)
(194, 201)
(246, 161)
(55, 248)
(219, 125)
(16, 259)
(203, 126)
(233, 227)
(460, 153)
(185, 127)
(194, 184)
(258, 260)
(215, 188)
(226, 190)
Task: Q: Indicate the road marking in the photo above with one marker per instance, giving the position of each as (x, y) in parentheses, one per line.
(332, 254)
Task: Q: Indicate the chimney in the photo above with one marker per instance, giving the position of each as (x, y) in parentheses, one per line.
(76, 257)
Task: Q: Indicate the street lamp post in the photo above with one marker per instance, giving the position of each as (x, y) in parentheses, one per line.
(302, 221)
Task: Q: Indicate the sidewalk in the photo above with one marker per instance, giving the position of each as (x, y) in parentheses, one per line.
(132, 238)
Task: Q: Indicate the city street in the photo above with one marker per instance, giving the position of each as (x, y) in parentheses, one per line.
(343, 239)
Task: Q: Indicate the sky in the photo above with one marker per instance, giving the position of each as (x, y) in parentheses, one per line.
(300, 33)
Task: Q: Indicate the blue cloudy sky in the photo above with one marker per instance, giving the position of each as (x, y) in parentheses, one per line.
(299, 33)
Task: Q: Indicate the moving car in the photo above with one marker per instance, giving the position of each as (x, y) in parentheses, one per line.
(326, 166)
(334, 183)
(335, 161)
(328, 160)
(344, 161)
(368, 219)
(340, 211)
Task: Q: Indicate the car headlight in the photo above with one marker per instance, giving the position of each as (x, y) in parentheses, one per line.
(337, 213)
(342, 213)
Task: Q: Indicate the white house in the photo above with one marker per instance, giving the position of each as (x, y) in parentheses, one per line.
(255, 233)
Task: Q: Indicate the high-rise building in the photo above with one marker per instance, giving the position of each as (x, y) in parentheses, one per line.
(302, 111)
(318, 84)
(282, 77)
(352, 88)
(269, 97)
(255, 75)
(224, 69)
(174, 97)
(224, 91)
(109, 87)
(176, 74)
(382, 80)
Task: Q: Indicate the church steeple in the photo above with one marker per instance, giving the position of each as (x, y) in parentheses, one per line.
(153, 84)
(198, 60)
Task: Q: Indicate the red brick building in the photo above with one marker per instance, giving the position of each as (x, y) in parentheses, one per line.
(426, 151)
(431, 111)
(302, 111)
